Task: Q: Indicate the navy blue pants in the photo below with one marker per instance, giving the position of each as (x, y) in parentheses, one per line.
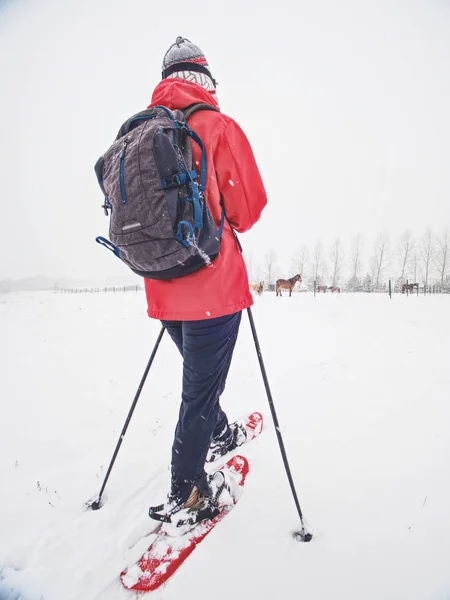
(207, 348)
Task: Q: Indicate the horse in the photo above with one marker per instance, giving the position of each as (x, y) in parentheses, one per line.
(287, 284)
(335, 288)
(322, 288)
(258, 288)
(409, 287)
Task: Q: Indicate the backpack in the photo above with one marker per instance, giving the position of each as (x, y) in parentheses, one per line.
(160, 225)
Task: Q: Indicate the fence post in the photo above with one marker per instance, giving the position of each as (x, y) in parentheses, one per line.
(390, 289)
(407, 287)
(314, 288)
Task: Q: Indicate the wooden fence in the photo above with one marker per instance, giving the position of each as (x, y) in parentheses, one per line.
(117, 289)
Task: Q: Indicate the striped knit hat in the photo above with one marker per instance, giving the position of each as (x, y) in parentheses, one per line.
(185, 60)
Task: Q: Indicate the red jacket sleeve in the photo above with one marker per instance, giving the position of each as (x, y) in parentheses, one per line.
(239, 180)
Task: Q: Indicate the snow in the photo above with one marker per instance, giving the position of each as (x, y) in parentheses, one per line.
(360, 385)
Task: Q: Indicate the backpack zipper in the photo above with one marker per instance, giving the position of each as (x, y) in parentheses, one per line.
(122, 172)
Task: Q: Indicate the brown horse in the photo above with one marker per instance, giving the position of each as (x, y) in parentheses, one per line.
(258, 288)
(322, 288)
(409, 287)
(287, 284)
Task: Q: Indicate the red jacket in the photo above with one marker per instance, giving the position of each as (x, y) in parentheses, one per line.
(221, 288)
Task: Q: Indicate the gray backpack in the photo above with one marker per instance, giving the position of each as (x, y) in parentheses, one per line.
(160, 224)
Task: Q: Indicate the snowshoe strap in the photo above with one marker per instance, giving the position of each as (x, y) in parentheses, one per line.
(207, 512)
(160, 512)
(159, 517)
(220, 489)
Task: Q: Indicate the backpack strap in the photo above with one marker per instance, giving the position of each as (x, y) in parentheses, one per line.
(144, 115)
(197, 190)
(222, 223)
(188, 112)
(192, 108)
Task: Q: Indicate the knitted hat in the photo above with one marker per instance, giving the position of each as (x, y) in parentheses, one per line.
(185, 60)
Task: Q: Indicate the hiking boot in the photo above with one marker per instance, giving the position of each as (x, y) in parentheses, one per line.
(179, 517)
(233, 438)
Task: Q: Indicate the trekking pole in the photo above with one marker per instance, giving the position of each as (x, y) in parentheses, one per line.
(302, 535)
(96, 504)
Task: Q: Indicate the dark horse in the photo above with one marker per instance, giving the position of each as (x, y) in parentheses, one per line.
(409, 287)
(287, 284)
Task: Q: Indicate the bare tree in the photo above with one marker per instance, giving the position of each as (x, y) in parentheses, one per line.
(248, 258)
(356, 255)
(380, 258)
(318, 261)
(355, 261)
(427, 253)
(414, 265)
(406, 248)
(336, 257)
(443, 254)
(259, 273)
(300, 260)
(373, 266)
(270, 262)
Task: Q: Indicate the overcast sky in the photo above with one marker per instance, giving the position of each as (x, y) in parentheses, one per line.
(346, 104)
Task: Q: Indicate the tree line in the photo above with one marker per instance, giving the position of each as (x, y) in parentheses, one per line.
(357, 268)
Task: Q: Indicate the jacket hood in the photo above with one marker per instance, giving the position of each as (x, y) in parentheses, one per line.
(179, 94)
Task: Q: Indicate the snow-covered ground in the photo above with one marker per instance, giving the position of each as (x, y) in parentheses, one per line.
(361, 385)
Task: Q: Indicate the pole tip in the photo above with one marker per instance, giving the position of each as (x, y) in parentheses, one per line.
(94, 504)
(302, 535)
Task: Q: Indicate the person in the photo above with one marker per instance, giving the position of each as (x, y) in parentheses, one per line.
(202, 311)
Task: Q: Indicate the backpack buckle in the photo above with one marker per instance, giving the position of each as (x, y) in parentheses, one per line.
(107, 206)
(186, 241)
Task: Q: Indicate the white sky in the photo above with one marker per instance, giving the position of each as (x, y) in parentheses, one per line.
(346, 104)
